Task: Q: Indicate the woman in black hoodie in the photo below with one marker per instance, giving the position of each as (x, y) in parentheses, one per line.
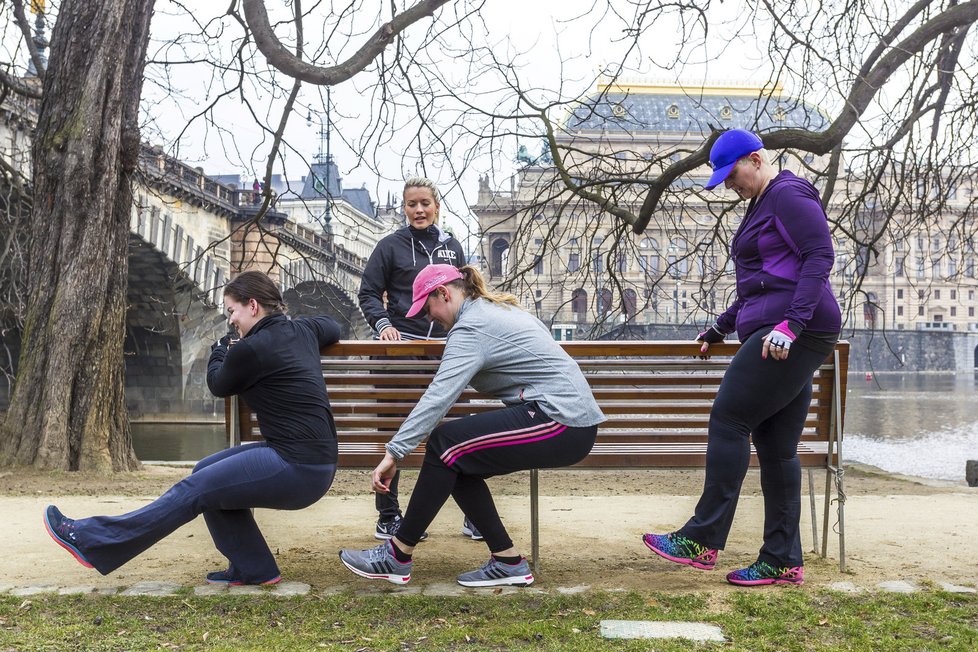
(275, 368)
(386, 296)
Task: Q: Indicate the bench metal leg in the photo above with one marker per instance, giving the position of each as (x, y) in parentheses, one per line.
(234, 428)
(811, 500)
(825, 512)
(535, 520)
(841, 493)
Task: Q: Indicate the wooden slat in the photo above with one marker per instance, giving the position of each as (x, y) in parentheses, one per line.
(657, 395)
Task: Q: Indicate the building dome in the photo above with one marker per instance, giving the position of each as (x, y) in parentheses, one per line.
(637, 109)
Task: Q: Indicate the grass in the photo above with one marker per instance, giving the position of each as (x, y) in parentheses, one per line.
(754, 620)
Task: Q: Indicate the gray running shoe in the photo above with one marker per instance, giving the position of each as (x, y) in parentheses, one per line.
(496, 573)
(469, 530)
(378, 563)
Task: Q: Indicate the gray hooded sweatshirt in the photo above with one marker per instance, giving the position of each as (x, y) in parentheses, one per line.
(507, 353)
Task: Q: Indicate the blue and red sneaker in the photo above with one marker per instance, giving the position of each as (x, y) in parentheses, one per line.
(62, 530)
(681, 549)
(230, 578)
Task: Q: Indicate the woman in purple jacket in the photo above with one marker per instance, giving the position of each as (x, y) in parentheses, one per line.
(783, 255)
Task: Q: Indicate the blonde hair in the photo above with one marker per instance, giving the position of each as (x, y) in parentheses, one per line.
(422, 182)
(473, 285)
(763, 154)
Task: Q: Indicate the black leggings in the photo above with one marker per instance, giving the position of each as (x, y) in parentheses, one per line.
(766, 400)
(462, 453)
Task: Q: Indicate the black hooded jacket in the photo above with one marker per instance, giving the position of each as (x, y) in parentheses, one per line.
(276, 369)
(392, 267)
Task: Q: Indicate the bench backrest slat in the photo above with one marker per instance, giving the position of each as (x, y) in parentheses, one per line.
(657, 396)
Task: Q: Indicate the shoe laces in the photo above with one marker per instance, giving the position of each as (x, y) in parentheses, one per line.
(66, 528)
(377, 553)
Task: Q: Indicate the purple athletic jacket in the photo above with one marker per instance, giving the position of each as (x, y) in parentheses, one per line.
(783, 256)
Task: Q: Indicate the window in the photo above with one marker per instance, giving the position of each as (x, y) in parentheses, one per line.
(920, 311)
(919, 264)
(538, 265)
(597, 263)
(579, 302)
(920, 295)
(499, 257)
(630, 304)
(952, 268)
(574, 262)
(971, 295)
(899, 294)
(604, 302)
(969, 268)
(899, 266)
(971, 311)
(937, 294)
(621, 262)
(954, 311)
(900, 311)
(935, 267)
(954, 295)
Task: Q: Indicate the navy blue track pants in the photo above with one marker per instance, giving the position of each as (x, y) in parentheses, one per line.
(224, 487)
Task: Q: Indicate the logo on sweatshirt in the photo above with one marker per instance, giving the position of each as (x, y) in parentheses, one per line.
(445, 253)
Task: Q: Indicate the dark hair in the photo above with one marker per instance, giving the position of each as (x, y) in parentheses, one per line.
(255, 285)
(473, 285)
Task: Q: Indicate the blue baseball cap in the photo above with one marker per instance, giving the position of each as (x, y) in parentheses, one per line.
(729, 148)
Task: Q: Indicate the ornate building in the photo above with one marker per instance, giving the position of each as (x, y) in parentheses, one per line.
(582, 270)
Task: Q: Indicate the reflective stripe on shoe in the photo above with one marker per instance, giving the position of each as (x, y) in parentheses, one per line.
(496, 573)
(378, 563)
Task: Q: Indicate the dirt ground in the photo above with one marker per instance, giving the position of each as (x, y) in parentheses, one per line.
(591, 524)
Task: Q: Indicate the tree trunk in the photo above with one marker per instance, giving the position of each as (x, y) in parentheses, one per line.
(68, 408)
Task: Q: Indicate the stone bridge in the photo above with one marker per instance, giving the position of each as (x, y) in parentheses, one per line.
(188, 236)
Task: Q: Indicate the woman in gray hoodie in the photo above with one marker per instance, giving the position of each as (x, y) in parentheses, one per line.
(549, 420)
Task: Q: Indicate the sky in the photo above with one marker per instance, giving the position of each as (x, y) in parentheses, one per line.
(566, 41)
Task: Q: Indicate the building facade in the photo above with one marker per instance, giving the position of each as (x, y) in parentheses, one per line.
(582, 270)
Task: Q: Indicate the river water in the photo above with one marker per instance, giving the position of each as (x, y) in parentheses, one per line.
(915, 424)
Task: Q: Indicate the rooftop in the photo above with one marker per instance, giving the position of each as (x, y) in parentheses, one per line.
(634, 108)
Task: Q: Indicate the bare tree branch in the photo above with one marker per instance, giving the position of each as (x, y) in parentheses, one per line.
(280, 58)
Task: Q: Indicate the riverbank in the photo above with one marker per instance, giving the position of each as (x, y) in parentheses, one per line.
(591, 523)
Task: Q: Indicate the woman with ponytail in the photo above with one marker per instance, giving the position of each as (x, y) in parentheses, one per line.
(550, 419)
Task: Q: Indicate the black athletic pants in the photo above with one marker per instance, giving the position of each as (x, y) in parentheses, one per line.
(462, 453)
(766, 400)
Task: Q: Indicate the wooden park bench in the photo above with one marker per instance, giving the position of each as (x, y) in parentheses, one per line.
(657, 397)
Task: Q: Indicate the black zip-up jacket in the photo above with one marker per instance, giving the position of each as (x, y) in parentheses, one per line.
(276, 369)
(392, 267)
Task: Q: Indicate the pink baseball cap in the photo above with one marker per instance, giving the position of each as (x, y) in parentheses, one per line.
(428, 280)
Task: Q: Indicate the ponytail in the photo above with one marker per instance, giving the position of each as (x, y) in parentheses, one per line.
(473, 285)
